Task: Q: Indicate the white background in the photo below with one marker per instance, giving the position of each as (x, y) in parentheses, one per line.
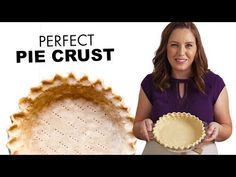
(134, 44)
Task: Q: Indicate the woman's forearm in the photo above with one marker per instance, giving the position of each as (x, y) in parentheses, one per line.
(224, 132)
(136, 130)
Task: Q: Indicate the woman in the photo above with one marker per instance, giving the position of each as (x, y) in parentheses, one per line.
(182, 82)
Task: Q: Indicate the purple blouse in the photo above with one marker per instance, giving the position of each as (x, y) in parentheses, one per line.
(193, 101)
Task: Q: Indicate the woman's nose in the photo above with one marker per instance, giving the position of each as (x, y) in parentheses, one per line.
(181, 50)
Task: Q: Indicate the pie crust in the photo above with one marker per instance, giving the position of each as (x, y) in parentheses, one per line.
(179, 131)
(66, 115)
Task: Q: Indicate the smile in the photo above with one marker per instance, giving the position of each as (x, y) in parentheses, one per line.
(180, 60)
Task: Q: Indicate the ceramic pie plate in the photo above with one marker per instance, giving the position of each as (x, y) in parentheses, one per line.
(66, 115)
(179, 132)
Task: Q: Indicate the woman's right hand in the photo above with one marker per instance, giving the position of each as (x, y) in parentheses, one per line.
(145, 129)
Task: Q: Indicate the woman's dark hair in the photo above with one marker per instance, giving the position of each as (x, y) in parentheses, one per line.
(162, 68)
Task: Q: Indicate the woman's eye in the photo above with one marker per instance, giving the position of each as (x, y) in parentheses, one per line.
(189, 45)
(174, 45)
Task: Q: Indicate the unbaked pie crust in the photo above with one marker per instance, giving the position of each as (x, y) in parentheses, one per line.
(66, 115)
(179, 131)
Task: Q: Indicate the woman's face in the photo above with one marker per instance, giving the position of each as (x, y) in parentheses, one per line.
(181, 50)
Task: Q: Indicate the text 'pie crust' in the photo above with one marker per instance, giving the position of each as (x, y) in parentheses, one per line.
(179, 131)
(66, 115)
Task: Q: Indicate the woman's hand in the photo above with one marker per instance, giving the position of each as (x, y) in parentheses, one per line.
(145, 129)
(212, 132)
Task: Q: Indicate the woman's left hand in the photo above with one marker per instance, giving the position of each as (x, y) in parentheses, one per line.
(212, 131)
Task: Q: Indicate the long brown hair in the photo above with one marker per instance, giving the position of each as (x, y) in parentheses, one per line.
(162, 67)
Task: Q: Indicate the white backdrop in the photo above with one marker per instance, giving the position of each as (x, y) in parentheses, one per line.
(134, 44)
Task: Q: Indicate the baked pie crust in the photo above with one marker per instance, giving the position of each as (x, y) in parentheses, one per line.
(66, 115)
(179, 131)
